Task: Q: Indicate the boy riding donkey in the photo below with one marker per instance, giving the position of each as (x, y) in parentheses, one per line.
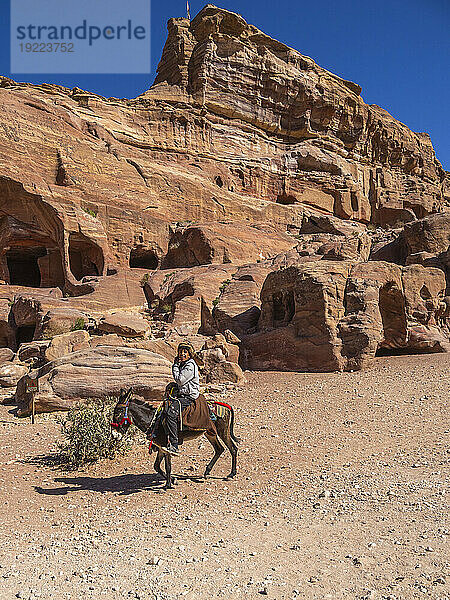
(183, 405)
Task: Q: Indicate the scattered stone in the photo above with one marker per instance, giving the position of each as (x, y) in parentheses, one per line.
(11, 373)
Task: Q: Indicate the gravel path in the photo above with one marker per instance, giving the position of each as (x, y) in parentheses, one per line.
(340, 494)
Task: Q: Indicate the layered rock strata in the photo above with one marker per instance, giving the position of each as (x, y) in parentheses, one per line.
(237, 126)
(234, 203)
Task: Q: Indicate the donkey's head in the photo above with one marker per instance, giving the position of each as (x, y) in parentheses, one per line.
(121, 419)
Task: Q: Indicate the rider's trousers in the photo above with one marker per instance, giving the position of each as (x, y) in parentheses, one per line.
(173, 417)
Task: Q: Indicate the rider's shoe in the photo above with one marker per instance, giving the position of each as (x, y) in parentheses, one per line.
(172, 450)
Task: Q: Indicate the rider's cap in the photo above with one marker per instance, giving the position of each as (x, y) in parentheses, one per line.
(187, 346)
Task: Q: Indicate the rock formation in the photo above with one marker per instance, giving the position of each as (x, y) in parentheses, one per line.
(250, 200)
(237, 126)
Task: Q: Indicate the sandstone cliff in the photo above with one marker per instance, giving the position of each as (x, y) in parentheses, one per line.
(237, 126)
(255, 197)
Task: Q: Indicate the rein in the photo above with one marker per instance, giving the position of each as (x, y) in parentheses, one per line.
(157, 411)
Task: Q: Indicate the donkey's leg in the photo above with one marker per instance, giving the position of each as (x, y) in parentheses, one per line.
(223, 430)
(157, 465)
(168, 466)
(218, 449)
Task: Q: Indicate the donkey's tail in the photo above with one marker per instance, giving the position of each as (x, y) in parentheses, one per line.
(235, 439)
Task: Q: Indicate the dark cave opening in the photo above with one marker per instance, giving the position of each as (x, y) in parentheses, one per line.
(25, 334)
(143, 258)
(85, 257)
(23, 266)
(400, 351)
(286, 199)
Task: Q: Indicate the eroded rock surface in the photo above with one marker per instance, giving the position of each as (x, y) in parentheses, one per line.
(237, 128)
(224, 243)
(338, 316)
(96, 373)
(238, 195)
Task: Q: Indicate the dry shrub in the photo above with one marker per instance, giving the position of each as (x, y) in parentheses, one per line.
(87, 434)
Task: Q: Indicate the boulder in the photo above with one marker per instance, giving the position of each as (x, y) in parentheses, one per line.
(231, 337)
(424, 339)
(111, 339)
(124, 324)
(64, 344)
(391, 310)
(238, 305)
(11, 373)
(164, 347)
(96, 373)
(375, 313)
(186, 297)
(217, 341)
(6, 355)
(430, 234)
(226, 372)
(317, 224)
(423, 288)
(45, 315)
(33, 351)
(216, 367)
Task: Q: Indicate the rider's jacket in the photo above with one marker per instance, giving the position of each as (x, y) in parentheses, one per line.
(187, 379)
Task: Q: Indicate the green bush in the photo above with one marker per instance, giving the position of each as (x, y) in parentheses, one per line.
(78, 324)
(224, 284)
(222, 288)
(89, 211)
(87, 434)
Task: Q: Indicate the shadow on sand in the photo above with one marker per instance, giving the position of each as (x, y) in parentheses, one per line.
(119, 484)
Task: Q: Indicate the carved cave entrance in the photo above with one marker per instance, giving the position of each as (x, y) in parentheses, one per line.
(283, 308)
(32, 266)
(24, 334)
(143, 258)
(85, 257)
(23, 266)
(28, 255)
(393, 316)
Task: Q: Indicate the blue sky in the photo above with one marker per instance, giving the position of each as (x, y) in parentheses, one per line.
(397, 50)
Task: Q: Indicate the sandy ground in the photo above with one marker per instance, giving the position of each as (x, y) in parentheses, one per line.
(340, 493)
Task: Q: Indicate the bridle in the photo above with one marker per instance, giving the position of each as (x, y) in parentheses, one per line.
(125, 418)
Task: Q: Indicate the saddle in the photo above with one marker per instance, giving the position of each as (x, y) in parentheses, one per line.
(197, 416)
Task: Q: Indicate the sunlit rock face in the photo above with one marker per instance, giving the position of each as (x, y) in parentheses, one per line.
(238, 195)
(236, 126)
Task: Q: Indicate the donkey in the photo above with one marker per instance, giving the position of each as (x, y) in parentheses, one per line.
(133, 411)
